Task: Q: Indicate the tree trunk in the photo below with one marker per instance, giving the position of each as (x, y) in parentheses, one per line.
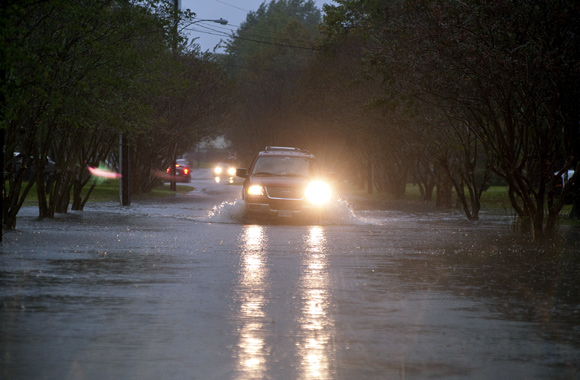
(43, 209)
(370, 180)
(444, 194)
(77, 197)
(429, 187)
(575, 212)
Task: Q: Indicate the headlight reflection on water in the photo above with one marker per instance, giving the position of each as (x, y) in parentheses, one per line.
(313, 341)
(252, 295)
(315, 321)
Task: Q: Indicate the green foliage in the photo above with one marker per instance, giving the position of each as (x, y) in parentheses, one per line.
(270, 27)
(266, 57)
(77, 74)
(494, 76)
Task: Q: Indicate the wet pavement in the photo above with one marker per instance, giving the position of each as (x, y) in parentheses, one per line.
(184, 289)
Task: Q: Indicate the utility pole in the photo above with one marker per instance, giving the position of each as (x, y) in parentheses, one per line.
(370, 176)
(124, 181)
(173, 169)
(2, 142)
(2, 131)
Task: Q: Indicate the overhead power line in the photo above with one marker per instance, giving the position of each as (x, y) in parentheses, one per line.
(248, 34)
(276, 43)
(231, 5)
(251, 34)
(281, 44)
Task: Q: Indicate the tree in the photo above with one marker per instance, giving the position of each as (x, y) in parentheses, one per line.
(333, 100)
(78, 75)
(405, 141)
(67, 62)
(266, 57)
(503, 74)
(192, 107)
(516, 89)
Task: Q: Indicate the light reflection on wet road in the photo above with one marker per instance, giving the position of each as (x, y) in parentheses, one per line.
(316, 323)
(163, 291)
(252, 296)
(309, 331)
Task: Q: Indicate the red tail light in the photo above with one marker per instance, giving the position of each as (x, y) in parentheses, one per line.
(185, 171)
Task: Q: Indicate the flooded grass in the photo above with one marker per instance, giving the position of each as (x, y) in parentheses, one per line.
(108, 191)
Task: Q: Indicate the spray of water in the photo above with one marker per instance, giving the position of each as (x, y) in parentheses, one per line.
(340, 212)
(227, 212)
(337, 213)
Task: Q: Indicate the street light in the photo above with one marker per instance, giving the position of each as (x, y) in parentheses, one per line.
(219, 21)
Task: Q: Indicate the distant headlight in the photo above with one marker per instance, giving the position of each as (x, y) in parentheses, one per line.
(318, 193)
(218, 170)
(231, 172)
(255, 190)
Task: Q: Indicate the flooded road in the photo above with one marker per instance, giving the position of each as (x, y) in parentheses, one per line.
(183, 289)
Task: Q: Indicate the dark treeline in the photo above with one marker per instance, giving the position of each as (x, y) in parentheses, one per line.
(450, 95)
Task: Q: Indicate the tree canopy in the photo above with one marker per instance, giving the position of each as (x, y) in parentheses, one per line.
(266, 58)
(500, 74)
(445, 94)
(78, 74)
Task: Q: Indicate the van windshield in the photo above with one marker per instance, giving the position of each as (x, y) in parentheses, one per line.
(283, 166)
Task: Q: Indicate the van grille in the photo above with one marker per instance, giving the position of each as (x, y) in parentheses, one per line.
(281, 192)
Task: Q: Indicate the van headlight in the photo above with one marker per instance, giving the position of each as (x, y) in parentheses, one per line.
(255, 190)
(318, 193)
(217, 170)
(231, 171)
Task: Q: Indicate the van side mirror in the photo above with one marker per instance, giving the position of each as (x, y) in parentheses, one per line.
(241, 173)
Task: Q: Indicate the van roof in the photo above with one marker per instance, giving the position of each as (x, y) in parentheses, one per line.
(285, 151)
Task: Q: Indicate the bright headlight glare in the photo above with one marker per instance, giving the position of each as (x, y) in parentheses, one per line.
(231, 172)
(318, 193)
(217, 170)
(255, 190)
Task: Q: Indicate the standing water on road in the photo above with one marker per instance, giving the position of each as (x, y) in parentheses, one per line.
(162, 290)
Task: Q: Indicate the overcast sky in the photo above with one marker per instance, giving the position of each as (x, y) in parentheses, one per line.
(209, 33)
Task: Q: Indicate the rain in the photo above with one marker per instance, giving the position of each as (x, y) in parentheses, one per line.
(326, 190)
